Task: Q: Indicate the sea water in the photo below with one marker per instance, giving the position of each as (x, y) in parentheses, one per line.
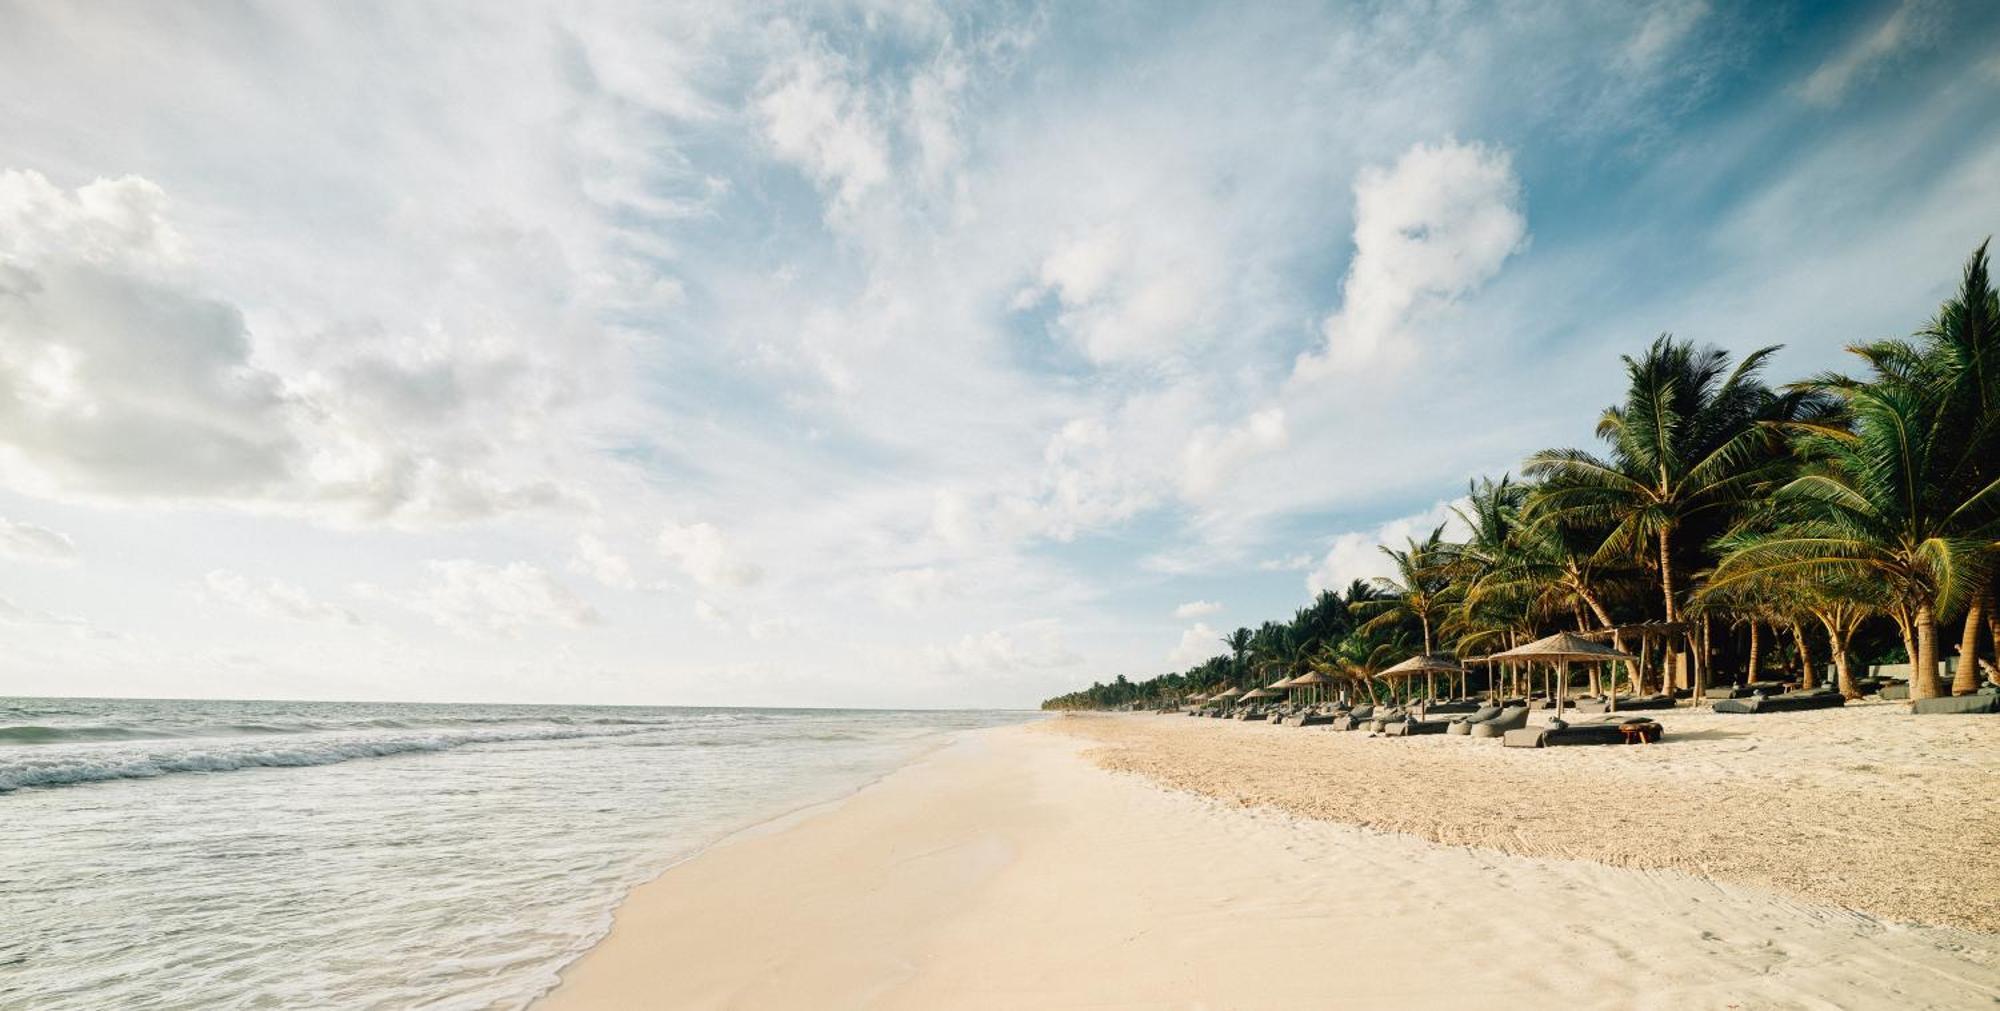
(205, 854)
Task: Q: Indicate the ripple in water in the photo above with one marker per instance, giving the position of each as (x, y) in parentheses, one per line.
(165, 854)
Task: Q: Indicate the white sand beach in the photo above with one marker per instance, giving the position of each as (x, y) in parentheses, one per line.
(1010, 870)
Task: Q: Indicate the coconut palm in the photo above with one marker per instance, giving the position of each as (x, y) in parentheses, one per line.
(1874, 505)
(1693, 439)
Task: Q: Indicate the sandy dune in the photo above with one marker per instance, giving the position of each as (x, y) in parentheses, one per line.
(1006, 871)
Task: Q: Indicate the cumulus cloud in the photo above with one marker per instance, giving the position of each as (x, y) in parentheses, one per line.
(115, 376)
(1196, 609)
(597, 560)
(1029, 646)
(816, 118)
(706, 556)
(473, 598)
(1914, 24)
(1427, 231)
(122, 378)
(273, 598)
(1358, 555)
(12, 613)
(1198, 643)
(30, 542)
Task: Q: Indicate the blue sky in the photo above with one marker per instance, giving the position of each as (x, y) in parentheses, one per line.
(877, 353)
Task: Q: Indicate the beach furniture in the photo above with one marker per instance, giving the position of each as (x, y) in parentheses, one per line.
(1510, 718)
(1957, 705)
(1788, 702)
(1353, 718)
(1598, 704)
(1463, 724)
(1610, 729)
(1410, 726)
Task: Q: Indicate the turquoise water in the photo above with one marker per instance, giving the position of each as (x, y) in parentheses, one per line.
(200, 854)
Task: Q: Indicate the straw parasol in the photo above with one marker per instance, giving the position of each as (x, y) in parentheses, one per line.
(1429, 665)
(1560, 649)
(1258, 693)
(1311, 679)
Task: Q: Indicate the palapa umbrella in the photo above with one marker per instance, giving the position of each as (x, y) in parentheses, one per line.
(1257, 693)
(1310, 679)
(1560, 649)
(1226, 695)
(1428, 665)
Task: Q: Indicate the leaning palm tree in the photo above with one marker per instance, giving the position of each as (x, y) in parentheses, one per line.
(1693, 439)
(1875, 506)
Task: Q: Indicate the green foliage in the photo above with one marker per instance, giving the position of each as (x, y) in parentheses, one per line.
(1829, 502)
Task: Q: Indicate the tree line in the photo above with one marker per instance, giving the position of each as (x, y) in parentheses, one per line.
(1847, 518)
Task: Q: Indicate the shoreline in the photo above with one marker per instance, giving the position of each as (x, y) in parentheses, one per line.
(1008, 868)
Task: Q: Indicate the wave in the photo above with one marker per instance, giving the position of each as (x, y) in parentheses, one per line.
(99, 767)
(25, 734)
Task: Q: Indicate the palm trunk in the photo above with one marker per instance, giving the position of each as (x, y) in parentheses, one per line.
(1843, 668)
(1923, 675)
(1676, 662)
(1965, 680)
(1808, 678)
(1756, 654)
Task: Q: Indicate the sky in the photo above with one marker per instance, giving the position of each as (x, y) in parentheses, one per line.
(877, 352)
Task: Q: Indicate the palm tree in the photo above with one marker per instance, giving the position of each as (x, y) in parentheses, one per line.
(1239, 645)
(1693, 439)
(1419, 591)
(1874, 506)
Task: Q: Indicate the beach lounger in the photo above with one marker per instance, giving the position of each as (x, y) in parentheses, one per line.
(1510, 718)
(1595, 704)
(1463, 724)
(1957, 705)
(1353, 718)
(1615, 729)
(1411, 727)
(1789, 702)
(1453, 706)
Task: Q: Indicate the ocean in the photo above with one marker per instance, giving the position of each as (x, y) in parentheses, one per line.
(206, 854)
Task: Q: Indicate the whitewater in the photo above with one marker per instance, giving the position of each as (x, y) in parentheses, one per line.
(208, 854)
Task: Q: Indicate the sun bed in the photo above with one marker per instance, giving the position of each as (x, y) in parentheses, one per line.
(1412, 727)
(1789, 702)
(1463, 724)
(1614, 729)
(1595, 704)
(1453, 706)
(1510, 718)
(1353, 718)
(1957, 705)
(1384, 717)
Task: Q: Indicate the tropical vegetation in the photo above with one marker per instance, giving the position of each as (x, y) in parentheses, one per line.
(1747, 529)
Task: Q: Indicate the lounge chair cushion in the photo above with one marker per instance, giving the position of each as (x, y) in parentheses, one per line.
(1956, 705)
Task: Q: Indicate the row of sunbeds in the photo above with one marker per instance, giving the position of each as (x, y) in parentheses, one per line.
(1466, 718)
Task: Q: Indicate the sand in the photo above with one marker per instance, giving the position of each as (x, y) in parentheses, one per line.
(1009, 870)
(1864, 806)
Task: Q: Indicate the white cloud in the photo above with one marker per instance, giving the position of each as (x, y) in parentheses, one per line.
(1912, 25)
(1427, 231)
(1029, 646)
(1666, 27)
(1196, 609)
(816, 118)
(30, 542)
(1358, 554)
(474, 598)
(81, 628)
(706, 556)
(273, 598)
(597, 560)
(1197, 643)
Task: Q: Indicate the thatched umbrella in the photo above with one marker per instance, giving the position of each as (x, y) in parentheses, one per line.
(1560, 649)
(1226, 696)
(1429, 665)
(1311, 679)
